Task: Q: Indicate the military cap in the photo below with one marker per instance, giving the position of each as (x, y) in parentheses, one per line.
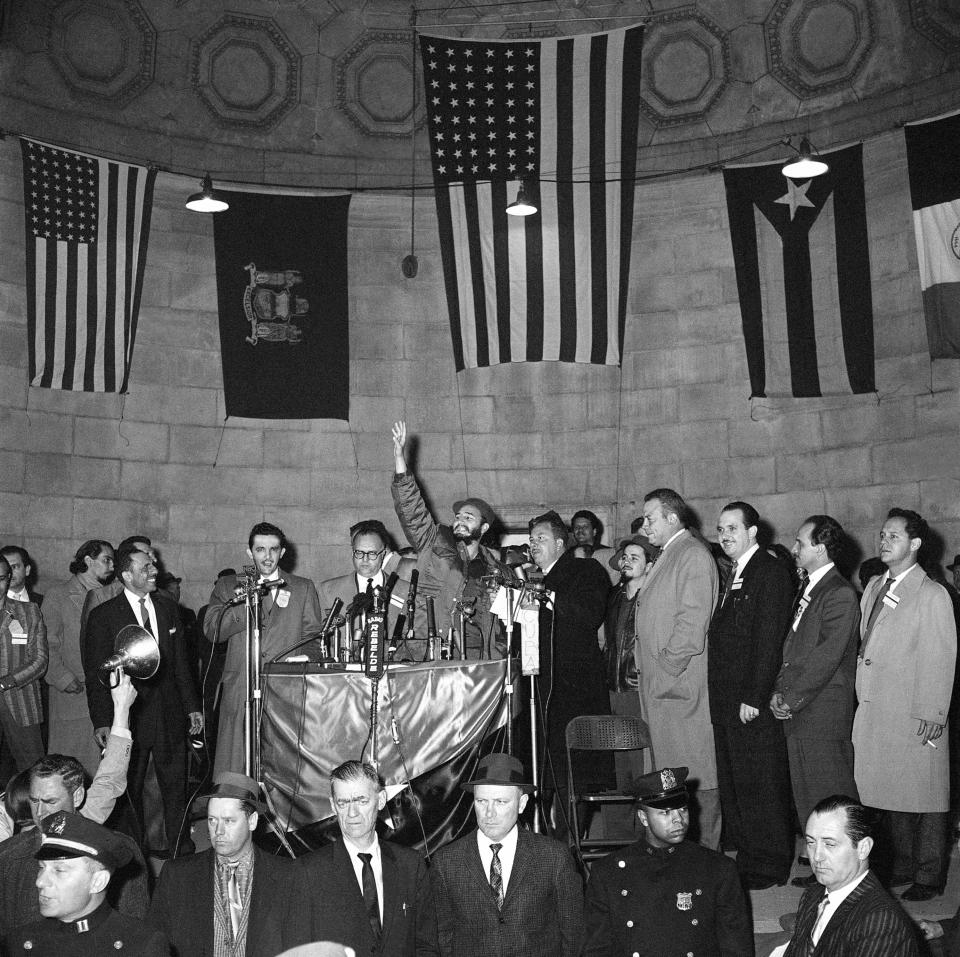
(63, 834)
(487, 514)
(663, 789)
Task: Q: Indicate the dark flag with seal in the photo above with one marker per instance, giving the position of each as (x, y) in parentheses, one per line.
(282, 293)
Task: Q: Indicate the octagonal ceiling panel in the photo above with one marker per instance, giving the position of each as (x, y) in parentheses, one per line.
(105, 49)
(816, 47)
(246, 71)
(938, 21)
(686, 65)
(375, 84)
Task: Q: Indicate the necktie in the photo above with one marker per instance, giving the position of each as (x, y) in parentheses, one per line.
(728, 587)
(369, 590)
(370, 899)
(145, 616)
(234, 903)
(874, 613)
(817, 929)
(496, 874)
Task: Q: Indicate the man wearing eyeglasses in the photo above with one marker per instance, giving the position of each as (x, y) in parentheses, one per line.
(374, 896)
(373, 563)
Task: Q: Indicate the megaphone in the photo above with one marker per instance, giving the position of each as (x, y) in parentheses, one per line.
(135, 651)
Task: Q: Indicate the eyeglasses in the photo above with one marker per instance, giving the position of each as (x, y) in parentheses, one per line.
(362, 556)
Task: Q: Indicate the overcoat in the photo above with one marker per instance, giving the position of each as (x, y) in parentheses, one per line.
(672, 617)
(294, 615)
(182, 906)
(905, 676)
(71, 731)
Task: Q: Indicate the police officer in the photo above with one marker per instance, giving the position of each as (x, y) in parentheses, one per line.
(665, 896)
(77, 859)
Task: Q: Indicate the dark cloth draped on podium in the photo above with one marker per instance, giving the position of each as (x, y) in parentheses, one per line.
(447, 715)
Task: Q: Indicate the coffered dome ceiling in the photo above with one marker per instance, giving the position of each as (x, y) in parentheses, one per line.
(296, 90)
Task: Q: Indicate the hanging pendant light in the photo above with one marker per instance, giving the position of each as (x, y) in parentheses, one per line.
(521, 206)
(805, 166)
(208, 200)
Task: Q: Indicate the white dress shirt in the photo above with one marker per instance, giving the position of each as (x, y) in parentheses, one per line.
(834, 900)
(376, 862)
(508, 851)
(134, 600)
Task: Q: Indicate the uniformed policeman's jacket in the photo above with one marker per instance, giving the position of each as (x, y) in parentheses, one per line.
(100, 933)
(679, 901)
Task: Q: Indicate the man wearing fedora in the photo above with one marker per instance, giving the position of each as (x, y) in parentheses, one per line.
(77, 859)
(451, 561)
(371, 895)
(665, 894)
(233, 898)
(504, 890)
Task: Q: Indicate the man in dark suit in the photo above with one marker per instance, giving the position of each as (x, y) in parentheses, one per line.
(746, 641)
(166, 704)
(851, 915)
(368, 894)
(814, 692)
(373, 563)
(503, 890)
(232, 898)
(289, 613)
(665, 894)
(571, 680)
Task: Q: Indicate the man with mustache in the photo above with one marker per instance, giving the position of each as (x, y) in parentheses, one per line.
(451, 561)
(167, 705)
(665, 894)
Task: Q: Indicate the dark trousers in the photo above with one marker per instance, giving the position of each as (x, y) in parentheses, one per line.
(169, 761)
(24, 741)
(819, 768)
(754, 783)
(918, 846)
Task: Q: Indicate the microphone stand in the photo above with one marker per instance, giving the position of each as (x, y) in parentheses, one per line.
(248, 591)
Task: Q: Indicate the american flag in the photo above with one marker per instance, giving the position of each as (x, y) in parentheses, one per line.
(560, 117)
(87, 224)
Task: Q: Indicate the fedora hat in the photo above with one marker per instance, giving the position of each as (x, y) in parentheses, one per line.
(500, 769)
(230, 784)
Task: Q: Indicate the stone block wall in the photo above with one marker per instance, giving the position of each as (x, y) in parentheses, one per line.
(163, 460)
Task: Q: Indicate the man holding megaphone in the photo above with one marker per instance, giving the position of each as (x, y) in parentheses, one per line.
(167, 704)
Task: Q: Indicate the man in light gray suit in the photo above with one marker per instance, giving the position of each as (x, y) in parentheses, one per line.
(672, 617)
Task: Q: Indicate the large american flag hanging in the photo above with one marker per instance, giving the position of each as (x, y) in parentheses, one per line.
(87, 224)
(559, 116)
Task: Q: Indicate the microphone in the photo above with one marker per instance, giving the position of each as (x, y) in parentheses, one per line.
(376, 627)
(333, 619)
(388, 587)
(412, 602)
(260, 586)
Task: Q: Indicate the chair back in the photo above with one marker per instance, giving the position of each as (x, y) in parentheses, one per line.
(607, 732)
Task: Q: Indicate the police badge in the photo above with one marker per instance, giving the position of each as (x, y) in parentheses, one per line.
(668, 781)
(684, 900)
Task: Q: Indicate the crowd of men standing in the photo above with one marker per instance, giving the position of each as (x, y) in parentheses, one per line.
(773, 694)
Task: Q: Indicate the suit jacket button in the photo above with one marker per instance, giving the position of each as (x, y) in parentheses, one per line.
(629, 923)
(624, 892)
(867, 662)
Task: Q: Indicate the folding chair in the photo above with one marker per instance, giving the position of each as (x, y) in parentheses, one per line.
(600, 733)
